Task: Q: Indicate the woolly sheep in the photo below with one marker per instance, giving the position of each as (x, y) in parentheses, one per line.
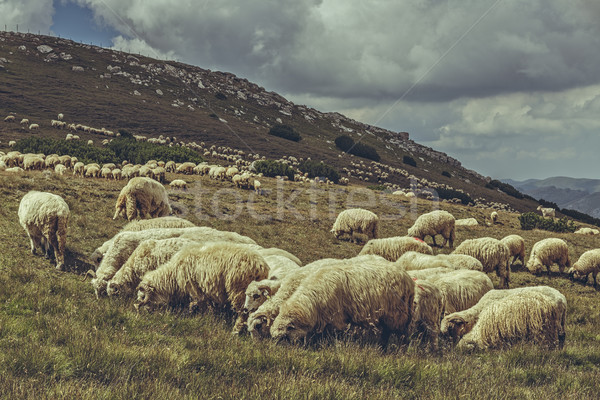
(587, 231)
(438, 222)
(428, 309)
(279, 266)
(92, 172)
(45, 218)
(493, 255)
(547, 212)
(392, 248)
(466, 222)
(142, 197)
(412, 260)
(516, 246)
(125, 243)
(456, 325)
(462, 261)
(78, 169)
(12, 143)
(10, 118)
(335, 295)
(24, 121)
(179, 184)
(494, 217)
(356, 220)
(588, 263)
(217, 275)
(60, 169)
(34, 127)
(547, 252)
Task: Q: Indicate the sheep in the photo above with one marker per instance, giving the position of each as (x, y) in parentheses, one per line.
(547, 252)
(392, 248)
(412, 260)
(9, 118)
(117, 174)
(178, 184)
(60, 169)
(45, 218)
(78, 168)
(494, 217)
(547, 212)
(217, 274)
(433, 223)
(356, 220)
(140, 225)
(588, 263)
(92, 171)
(34, 127)
(24, 122)
(279, 266)
(60, 116)
(456, 325)
(587, 231)
(125, 243)
(256, 185)
(12, 143)
(516, 246)
(142, 197)
(462, 261)
(493, 255)
(466, 222)
(347, 292)
(428, 309)
(275, 251)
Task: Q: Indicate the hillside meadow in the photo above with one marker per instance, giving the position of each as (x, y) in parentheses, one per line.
(58, 341)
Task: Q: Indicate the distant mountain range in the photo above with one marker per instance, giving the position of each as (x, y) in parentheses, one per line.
(578, 194)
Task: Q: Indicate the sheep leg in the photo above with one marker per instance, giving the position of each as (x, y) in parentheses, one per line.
(594, 274)
(433, 238)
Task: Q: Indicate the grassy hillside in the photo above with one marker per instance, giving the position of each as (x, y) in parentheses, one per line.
(58, 341)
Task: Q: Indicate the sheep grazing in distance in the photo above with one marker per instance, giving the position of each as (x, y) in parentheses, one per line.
(587, 231)
(393, 248)
(9, 118)
(356, 220)
(60, 116)
(516, 246)
(547, 212)
(217, 274)
(438, 222)
(348, 292)
(142, 197)
(428, 309)
(45, 218)
(547, 252)
(466, 222)
(493, 255)
(34, 127)
(494, 217)
(524, 316)
(24, 122)
(178, 184)
(588, 263)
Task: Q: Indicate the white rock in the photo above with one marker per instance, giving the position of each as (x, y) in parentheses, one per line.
(44, 49)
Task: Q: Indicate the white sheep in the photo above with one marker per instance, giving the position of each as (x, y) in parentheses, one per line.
(45, 218)
(516, 246)
(178, 184)
(437, 222)
(466, 222)
(79, 169)
(9, 118)
(462, 261)
(588, 263)
(494, 217)
(547, 252)
(217, 274)
(492, 253)
(335, 295)
(547, 212)
(356, 220)
(24, 122)
(428, 310)
(587, 231)
(142, 197)
(392, 248)
(34, 127)
(12, 143)
(60, 116)
(413, 260)
(279, 266)
(60, 169)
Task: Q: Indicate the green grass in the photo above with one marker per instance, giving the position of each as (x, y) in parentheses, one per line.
(58, 341)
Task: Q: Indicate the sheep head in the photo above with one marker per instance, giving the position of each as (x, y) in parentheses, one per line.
(256, 294)
(455, 327)
(113, 289)
(259, 325)
(286, 329)
(99, 285)
(144, 296)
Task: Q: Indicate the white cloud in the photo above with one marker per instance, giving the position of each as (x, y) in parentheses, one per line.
(32, 15)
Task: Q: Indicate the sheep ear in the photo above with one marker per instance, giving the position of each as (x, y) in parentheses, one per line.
(266, 293)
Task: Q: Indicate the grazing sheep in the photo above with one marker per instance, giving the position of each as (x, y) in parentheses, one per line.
(10, 118)
(438, 222)
(12, 143)
(492, 253)
(516, 246)
(279, 266)
(217, 274)
(140, 225)
(428, 309)
(466, 222)
(34, 127)
(178, 184)
(547, 252)
(60, 116)
(45, 218)
(412, 260)
(392, 248)
(335, 295)
(587, 231)
(24, 122)
(462, 261)
(92, 171)
(79, 169)
(494, 217)
(356, 220)
(125, 243)
(275, 251)
(142, 197)
(547, 212)
(258, 292)
(60, 169)
(588, 263)
(525, 316)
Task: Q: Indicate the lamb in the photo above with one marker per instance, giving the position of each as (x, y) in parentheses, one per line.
(456, 325)
(516, 246)
(433, 223)
(428, 309)
(45, 218)
(178, 184)
(335, 295)
(392, 248)
(588, 263)
(142, 197)
(356, 220)
(493, 255)
(125, 243)
(217, 274)
(547, 212)
(547, 252)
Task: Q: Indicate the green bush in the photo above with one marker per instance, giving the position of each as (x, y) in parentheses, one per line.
(84, 152)
(505, 187)
(531, 220)
(449, 194)
(446, 174)
(273, 168)
(319, 169)
(583, 217)
(220, 96)
(408, 160)
(285, 132)
(140, 152)
(348, 145)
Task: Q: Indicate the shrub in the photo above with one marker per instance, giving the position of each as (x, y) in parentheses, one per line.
(449, 194)
(285, 132)
(504, 187)
(408, 160)
(319, 169)
(84, 152)
(273, 168)
(446, 174)
(220, 96)
(140, 152)
(348, 145)
(531, 220)
(583, 217)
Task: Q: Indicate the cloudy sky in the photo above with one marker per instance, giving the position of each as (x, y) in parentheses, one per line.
(509, 87)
